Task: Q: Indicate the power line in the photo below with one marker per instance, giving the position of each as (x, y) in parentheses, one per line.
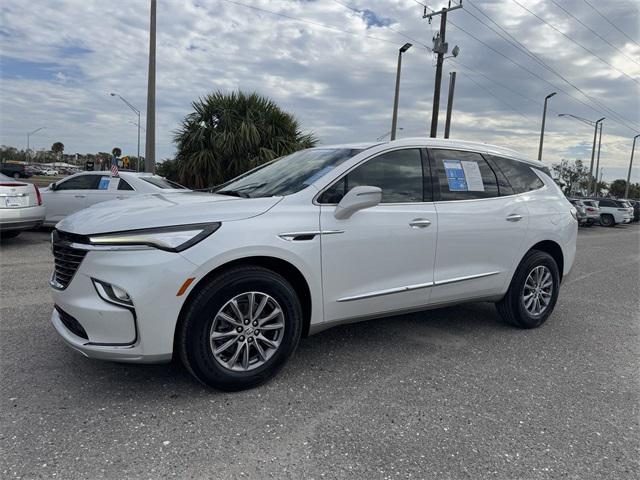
(311, 22)
(592, 31)
(611, 23)
(620, 119)
(501, 100)
(575, 42)
(355, 10)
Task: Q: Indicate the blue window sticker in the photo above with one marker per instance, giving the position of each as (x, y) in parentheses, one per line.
(455, 176)
(319, 174)
(104, 183)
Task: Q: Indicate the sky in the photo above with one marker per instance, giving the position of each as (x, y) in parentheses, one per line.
(331, 63)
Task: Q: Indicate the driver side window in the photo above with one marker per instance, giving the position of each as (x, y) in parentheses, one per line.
(399, 174)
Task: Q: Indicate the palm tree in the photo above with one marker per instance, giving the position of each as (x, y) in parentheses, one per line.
(228, 134)
(57, 148)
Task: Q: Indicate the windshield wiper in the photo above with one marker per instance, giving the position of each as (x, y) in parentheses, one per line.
(233, 193)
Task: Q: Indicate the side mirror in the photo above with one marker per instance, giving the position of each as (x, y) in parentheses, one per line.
(358, 198)
(52, 186)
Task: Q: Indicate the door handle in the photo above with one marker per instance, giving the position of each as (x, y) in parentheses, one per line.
(514, 217)
(419, 223)
(80, 196)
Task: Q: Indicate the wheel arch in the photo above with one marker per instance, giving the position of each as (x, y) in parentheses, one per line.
(554, 249)
(275, 264)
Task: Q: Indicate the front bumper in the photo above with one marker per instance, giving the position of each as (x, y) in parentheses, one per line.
(143, 333)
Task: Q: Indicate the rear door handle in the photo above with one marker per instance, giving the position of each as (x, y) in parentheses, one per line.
(80, 196)
(419, 223)
(514, 217)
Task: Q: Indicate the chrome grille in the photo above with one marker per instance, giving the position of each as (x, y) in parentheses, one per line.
(66, 262)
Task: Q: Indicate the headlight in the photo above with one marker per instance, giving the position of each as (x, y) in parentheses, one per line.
(170, 239)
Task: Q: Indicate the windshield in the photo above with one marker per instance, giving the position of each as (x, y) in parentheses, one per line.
(287, 175)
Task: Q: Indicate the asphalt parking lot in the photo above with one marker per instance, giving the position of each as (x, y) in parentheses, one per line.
(445, 394)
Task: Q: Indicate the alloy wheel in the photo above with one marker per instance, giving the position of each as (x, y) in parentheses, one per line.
(247, 331)
(537, 291)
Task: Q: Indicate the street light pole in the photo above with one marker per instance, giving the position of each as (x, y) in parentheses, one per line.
(137, 112)
(593, 149)
(394, 120)
(29, 138)
(452, 87)
(544, 118)
(633, 147)
(598, 158)
(150, 148)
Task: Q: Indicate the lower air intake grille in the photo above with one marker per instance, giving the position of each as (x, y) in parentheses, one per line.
(72, 324)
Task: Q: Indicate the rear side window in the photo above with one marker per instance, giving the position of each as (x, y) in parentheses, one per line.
(520, 175)
(398, 173)
(161, 182)
(123, 185)
(464, 175)
(81, 182)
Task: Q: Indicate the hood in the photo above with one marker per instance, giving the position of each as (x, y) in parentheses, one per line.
(162, 210)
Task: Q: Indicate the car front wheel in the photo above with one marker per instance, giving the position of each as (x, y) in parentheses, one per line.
(241, 328)
(533, 292)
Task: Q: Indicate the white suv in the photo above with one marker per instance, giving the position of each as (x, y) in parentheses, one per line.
(230, 281)
(613, 212)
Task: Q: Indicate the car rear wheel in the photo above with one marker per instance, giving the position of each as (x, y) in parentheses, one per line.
(607, 220)
(533, 292)
(241, 328)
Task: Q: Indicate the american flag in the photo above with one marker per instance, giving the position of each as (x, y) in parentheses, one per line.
(114, 167)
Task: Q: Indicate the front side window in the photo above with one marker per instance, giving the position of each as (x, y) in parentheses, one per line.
(607, 203)
(520, 175)
(464, 175)
(81, 182)
(399, 174)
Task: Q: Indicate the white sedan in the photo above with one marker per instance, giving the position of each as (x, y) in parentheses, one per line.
(84, 189)
(20, 207)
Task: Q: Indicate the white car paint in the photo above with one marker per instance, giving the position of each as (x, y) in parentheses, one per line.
(383, 259)
(61, 201)
(20, 205)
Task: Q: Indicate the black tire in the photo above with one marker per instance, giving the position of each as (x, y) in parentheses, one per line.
(512, 308)
(16, 175)
(607, 220)
(193, 341)
(4, 235)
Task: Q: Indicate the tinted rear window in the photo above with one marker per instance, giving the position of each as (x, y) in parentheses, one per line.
(161, 182)
(519, 174)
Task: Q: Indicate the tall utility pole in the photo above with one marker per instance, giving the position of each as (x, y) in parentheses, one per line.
(452, 87)
(544, 118)
(440, 47)
(394, 120)
(150, 148)
(598, 159)
(633, 147)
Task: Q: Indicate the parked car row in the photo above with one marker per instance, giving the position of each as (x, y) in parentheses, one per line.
(70, 195)
(607, 212)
